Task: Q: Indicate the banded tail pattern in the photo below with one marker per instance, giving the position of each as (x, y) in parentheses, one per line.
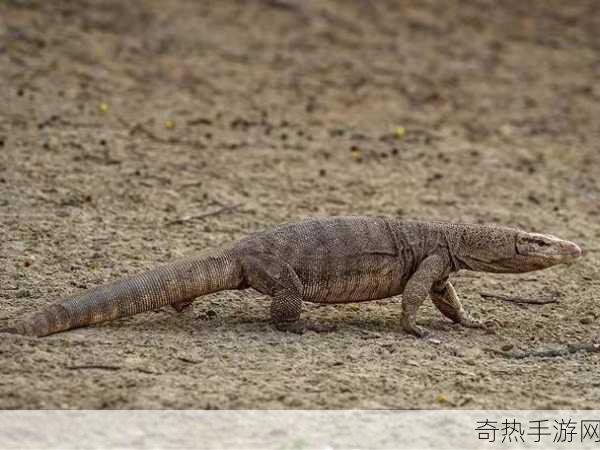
(173, 283)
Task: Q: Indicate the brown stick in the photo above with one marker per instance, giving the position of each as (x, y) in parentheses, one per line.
(531, 301)
(187, 360)
(552, 353)
(93, 366)
(204, 215)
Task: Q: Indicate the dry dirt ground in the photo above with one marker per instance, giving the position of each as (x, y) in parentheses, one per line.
(119, 118)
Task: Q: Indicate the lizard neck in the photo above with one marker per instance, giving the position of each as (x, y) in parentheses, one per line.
(481, 248)
(451, 244)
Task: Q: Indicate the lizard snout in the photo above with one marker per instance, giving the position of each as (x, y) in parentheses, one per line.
(572, 249)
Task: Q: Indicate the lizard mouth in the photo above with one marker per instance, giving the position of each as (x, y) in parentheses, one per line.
(567, 252)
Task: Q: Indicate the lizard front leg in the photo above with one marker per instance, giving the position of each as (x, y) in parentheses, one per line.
(447, 302)
(432, 269)
(276, 278)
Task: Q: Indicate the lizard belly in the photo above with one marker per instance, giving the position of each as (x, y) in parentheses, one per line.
(370, 279)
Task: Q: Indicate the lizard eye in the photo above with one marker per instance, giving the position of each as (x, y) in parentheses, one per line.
(541, 243)
(538, 242)
(531, 244)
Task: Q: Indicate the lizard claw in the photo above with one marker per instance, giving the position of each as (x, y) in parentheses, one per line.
(419, 332)
(469, 322)
(489, 326)
(415, 330)
(410, 326)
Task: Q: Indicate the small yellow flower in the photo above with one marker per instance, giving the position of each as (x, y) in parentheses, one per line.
(355, 153)
(400, 132)
(169, 124)
(103, 107)
(441, 398)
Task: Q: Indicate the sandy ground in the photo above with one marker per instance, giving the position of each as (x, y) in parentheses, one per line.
(119, 118)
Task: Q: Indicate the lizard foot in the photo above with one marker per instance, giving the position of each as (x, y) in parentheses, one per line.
(414, 329)
(489, 326)
(467, 321)
(302, 326)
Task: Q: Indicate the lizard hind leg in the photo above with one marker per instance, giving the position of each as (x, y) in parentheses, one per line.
(285, 314)
(274, 277)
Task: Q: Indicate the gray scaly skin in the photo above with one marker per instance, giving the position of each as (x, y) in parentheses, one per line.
(328, 260)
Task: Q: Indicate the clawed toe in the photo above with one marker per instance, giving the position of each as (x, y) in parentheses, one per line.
(469, 322)
(410, 326)
(418, 331)
(415, 330)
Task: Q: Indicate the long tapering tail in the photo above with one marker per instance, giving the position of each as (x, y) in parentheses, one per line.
(173, 283)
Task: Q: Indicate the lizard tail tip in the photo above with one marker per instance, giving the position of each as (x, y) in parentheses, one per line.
(17, 328)
(10, 330)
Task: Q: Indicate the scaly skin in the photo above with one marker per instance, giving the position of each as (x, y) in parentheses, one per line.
(329, 260)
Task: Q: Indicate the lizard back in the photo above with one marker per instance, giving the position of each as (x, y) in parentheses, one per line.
(343, 259)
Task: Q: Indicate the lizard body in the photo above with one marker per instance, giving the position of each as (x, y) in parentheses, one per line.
(327, 260)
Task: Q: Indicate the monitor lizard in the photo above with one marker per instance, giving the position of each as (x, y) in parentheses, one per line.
(320, 260)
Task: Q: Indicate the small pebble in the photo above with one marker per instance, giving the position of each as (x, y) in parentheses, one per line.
(586, 320)
(507, 347)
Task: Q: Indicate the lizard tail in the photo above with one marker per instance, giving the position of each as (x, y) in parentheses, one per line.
(179, 281)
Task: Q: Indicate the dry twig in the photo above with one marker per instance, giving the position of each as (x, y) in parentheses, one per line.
(93, 366)
(531, 301)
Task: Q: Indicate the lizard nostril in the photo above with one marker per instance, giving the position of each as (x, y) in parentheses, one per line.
(574, 250)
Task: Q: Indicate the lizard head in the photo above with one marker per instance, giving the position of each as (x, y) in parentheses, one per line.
(508, 250)
(535, 251)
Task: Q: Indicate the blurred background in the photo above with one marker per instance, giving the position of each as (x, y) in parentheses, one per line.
(135, 132)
